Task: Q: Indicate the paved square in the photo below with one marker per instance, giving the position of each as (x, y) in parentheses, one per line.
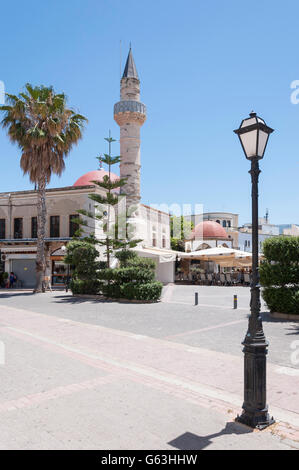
(83, 374)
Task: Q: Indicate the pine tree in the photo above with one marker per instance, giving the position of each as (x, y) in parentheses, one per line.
(118, 235)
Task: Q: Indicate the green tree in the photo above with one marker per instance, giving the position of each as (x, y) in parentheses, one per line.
(45, 129)
(180, 230)
(118, 234)
(82, 256)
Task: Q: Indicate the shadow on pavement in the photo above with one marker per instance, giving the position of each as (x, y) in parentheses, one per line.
(69, 299)
(294, 330)
(8, 294)
(266, 317)
(190, 441)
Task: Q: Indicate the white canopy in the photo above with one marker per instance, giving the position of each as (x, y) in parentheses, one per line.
(226, 257)
(215, 252)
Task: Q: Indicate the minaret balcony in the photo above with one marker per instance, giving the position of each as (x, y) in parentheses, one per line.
(130, 107)
(129, 111)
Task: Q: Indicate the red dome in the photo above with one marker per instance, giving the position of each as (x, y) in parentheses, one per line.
(96, 175)
(209, 229)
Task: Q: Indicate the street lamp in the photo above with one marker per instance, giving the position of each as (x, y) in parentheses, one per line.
(254, 134)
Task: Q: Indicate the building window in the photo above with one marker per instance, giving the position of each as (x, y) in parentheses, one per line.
(54, 226)
(164, 242)
(73, 226)
(228, 223)
(154, 236)
(224, 223)
(33, 227)
(2, 229)
(18, 228)
(218, 221)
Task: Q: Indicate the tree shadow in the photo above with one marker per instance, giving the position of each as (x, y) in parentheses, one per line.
(6, 295)
(190, 441)
(70, 299)
(294, 330)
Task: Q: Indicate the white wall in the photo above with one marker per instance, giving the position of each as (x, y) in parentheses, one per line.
(165, 272)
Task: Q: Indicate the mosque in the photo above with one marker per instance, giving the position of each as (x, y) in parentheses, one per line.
(18, 212)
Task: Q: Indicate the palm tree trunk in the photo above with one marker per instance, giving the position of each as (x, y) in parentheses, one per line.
(41, 233)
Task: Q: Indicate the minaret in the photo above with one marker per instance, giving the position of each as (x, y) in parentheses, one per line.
(130, 114)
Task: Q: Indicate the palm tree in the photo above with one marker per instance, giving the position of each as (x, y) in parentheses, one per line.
(45, 129)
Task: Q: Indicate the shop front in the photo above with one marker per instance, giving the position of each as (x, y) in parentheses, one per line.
(60, 271)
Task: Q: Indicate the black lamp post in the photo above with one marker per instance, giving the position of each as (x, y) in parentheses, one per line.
(254, 134)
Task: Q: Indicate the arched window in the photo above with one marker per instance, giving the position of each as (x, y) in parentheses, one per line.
(228, 223)
(218, 221)
(224, 223)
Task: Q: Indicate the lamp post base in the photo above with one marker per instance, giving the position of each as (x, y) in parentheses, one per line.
(256, 420)
(255, 410)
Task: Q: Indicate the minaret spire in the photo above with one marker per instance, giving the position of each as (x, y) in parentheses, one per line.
(130, 70)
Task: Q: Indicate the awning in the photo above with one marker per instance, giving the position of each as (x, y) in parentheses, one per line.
(225, 257)
(164, 255)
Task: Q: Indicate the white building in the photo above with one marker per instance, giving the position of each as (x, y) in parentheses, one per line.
(266, 230)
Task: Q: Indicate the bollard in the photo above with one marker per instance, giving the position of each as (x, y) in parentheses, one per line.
(235, 301)
(196, 298)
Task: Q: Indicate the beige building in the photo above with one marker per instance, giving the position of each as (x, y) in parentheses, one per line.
(18, 229)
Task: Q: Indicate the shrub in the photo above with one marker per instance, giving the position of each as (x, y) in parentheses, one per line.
(282, 299)
(83, 286)
(111, 290)
(282, 249)
(139, 275)
(146, 263)
(125, 256)
(124, 275)
(128, 290)
(149, 291)
(279, 274)
(134, 280)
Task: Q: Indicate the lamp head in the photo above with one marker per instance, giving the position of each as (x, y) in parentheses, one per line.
(253, 134)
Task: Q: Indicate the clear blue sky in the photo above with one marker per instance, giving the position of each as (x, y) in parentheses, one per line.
(203, 67)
